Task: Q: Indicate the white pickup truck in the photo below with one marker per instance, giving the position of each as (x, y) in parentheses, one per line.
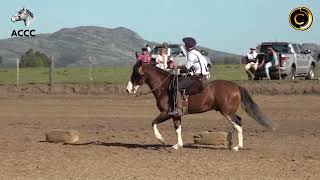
(293, 59)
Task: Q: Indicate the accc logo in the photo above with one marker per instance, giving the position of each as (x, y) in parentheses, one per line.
(27, 17)
(22, 33)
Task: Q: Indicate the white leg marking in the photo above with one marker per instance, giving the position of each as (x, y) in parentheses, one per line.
(230, 135)
(180, 142)
(157, 134)
(240, 136)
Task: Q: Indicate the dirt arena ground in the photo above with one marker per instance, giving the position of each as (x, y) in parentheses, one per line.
(117, 141)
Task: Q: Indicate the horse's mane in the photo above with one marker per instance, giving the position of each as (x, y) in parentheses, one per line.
(154, 68)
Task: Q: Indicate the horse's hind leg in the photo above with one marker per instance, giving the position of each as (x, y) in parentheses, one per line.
(177, 126)
(159, 119)
(230, 135)
(236, 122)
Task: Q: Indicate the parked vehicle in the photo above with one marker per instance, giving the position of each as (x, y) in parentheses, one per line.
(294, 61)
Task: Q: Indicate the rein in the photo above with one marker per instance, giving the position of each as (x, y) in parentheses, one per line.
(143, 94)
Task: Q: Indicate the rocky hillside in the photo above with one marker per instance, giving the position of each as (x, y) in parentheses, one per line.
(74, 46)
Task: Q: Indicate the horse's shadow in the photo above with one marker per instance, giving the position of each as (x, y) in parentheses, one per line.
(145, 146)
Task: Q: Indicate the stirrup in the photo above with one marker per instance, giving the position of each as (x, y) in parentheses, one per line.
(175, 113)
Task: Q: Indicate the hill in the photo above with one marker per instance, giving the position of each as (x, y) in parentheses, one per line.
(74, 46)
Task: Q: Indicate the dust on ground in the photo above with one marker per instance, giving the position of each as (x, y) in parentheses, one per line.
(117, 140)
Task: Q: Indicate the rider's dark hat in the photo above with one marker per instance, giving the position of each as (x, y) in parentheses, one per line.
(189, 41)
(144, 49)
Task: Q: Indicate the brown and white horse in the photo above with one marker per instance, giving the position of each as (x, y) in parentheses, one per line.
(219, 95)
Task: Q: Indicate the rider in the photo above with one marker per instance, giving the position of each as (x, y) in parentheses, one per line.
(196, 67)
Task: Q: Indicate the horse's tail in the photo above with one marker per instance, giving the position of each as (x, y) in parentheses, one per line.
(253, 110)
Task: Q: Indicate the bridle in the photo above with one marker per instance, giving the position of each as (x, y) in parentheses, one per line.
(161, 84)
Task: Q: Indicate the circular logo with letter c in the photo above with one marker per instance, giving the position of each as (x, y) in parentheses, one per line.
(301, 18)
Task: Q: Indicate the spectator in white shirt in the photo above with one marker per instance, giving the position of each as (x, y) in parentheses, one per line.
(251, 60)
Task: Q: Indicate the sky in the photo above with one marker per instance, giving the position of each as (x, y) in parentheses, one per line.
(225, 25)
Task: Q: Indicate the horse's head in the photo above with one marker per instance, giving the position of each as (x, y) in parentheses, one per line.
(137, 78)
(23, 15)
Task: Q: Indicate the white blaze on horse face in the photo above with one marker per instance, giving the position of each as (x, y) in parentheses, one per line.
(131, 88)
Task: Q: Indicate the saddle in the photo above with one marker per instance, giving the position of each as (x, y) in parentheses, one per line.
(196, 87)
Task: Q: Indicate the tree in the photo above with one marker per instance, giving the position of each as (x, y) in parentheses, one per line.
(1, 62)
(34, 59)
(319, 57)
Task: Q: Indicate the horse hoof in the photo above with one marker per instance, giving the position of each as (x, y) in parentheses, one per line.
(177, 146)
(161, 141)
(235, 149)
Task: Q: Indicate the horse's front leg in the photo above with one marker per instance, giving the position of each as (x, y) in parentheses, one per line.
(177, 126)
(163, 116)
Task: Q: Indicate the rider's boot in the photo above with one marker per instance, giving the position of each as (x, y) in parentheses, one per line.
(178, 110)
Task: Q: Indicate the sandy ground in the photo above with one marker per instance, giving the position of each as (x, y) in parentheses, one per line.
(117, 141)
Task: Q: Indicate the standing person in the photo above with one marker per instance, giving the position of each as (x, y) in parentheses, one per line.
(144, 57)
(272, 60)
(162, 60)
(196, 67)
(166, 47)
(252, 62)
(148, 48)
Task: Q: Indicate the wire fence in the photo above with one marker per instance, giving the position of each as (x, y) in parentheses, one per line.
(98, 74)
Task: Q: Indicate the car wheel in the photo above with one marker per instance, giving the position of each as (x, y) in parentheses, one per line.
(311, 73)
(256, 78)
(292, 74)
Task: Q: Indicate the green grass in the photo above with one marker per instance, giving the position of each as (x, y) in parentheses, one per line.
(113, 75)
(229, 72)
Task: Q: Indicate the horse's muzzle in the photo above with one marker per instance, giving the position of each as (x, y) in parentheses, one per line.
(132, 89)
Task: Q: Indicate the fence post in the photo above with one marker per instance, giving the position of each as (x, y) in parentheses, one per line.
(18, 74)
(51, 73)
(240, 66)
(90, 67)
